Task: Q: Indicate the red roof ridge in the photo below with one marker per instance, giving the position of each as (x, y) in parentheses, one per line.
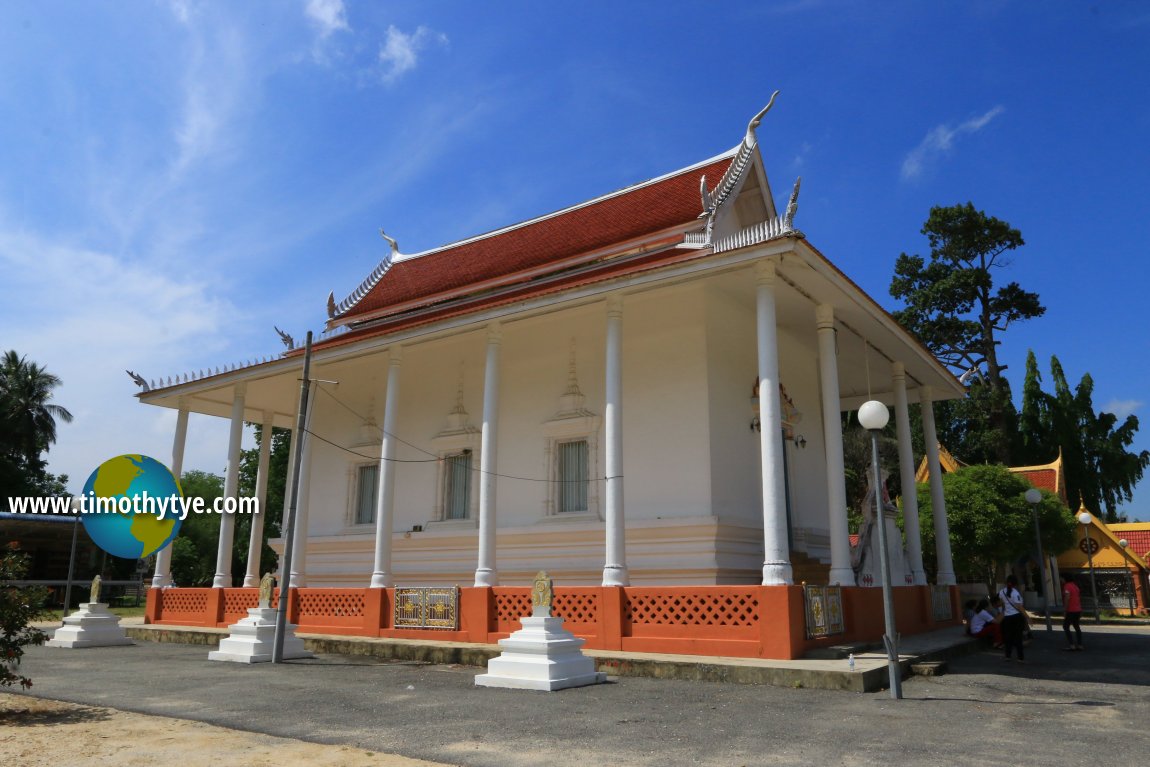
(402, 257)
(344, 309)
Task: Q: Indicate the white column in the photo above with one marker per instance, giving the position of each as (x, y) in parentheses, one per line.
(381, 576)
(297, 578)
(223, 577)
(486, 573)
(776, 557)
(288, 484)
(841, 572)
(615, 567)
(906, 472)
(256, 539)
(162, 578)
(945, 575)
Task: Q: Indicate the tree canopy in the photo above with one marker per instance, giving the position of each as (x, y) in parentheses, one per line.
(27, 426)
(991, 524)
(952, 305)
(1100, 467)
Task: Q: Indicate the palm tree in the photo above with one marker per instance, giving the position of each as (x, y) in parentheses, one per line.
(27, 417)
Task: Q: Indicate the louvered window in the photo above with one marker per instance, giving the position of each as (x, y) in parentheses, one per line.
(457, 486)
(572, 476)
(366, 490)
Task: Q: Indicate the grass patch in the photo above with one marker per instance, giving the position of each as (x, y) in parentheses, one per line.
(123, 612)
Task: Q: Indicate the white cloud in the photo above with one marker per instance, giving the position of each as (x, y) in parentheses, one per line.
(329, 16)
(182, 10)
(400, 51)
(87, 316)
(1122, 407)
(214, 80)
(939, 140)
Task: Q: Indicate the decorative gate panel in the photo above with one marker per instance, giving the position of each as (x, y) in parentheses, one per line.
(427, 607)
(824, 610)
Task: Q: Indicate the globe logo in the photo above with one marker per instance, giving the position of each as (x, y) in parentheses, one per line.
(121, 506)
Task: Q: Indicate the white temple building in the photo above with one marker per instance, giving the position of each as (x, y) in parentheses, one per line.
(645, 388)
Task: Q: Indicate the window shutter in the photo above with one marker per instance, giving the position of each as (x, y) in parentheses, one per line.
(367, 488)
(573, 476)
(457, 486)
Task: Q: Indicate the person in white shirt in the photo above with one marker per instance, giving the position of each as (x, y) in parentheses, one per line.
(1013, 619)
(985, 624)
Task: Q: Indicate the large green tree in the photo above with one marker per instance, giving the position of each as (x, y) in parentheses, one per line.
(27, 426)
(991, 524)
(194, 549)
(1100, 467)
(951, 303)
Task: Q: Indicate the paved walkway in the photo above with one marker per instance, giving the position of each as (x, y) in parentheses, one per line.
(1059, 708)
(870, 672)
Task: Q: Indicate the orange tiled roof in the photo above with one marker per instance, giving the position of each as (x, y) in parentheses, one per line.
(519, 252)
(1137, 533)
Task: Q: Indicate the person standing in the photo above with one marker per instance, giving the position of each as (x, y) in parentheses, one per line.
(1072, 598)
(1013, 620)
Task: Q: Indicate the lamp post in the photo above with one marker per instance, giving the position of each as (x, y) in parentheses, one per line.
(1034, 497)
(1124, 544)
(1086, 519)
(873, 416)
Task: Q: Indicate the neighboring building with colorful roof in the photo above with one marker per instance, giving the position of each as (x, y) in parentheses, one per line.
(1119, 572)
(1136, 534)
(493, 394)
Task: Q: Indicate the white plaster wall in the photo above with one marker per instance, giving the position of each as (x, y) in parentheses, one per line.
(798, 362)
(731, 371)
(666, 423)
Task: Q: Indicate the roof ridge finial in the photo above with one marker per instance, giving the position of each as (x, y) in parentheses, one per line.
(750, 138)
(390, 241)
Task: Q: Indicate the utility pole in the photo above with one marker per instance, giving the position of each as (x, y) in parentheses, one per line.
(289, 534)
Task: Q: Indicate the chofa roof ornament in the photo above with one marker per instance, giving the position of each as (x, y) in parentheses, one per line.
(335, 310)
(750, 138)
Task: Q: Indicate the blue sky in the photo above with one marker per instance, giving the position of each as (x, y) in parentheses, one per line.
(178, 177)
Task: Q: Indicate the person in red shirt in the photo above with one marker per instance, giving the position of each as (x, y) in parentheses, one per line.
(1073, 614)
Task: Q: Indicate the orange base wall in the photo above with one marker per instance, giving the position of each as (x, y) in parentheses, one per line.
(736, 621)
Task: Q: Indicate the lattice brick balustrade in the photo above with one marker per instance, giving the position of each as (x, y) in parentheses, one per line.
(184, 604)
(576, 607)
(330, 607)
(745, 621)
(511, 604)
(685, 609)
(237, 602)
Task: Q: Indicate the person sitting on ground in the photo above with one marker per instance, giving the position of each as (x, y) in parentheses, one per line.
(968, 610)
(985, 624)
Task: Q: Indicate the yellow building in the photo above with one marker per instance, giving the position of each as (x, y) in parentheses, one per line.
(1119, 572)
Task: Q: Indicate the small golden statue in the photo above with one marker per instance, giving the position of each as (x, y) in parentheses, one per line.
(267, 583)
(94, 595)
(541, 595)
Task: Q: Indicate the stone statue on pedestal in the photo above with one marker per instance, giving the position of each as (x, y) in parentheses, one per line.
(541, 595)
(267, 583)
(94, 595)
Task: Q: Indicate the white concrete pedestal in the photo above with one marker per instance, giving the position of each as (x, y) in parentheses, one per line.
(252, 639)
(93, 625)
(541, 656)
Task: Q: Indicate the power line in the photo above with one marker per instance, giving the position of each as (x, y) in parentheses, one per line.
(434, 457)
